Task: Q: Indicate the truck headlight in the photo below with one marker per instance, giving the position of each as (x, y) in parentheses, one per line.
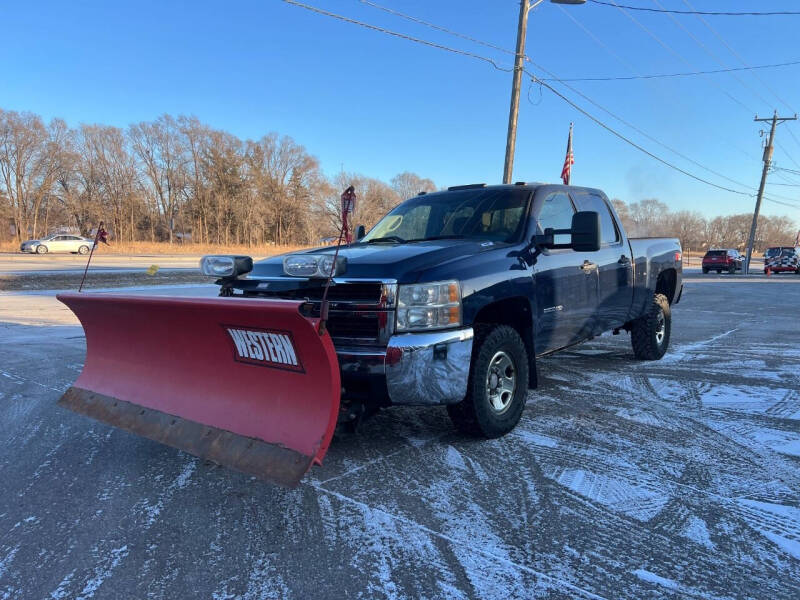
(225, 266)
(424, 306)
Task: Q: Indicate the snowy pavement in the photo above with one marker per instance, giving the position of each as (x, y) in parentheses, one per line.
(670, 479)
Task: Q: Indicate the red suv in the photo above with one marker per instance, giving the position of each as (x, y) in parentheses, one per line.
(722, 260)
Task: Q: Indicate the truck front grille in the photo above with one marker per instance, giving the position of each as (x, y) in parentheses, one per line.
(360, 313)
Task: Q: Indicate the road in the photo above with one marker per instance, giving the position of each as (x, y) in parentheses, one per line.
(16, 263)
(669, 479)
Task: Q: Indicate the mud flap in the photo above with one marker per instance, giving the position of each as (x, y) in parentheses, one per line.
(248, 384)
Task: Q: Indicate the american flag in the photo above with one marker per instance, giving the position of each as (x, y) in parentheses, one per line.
(569, 160)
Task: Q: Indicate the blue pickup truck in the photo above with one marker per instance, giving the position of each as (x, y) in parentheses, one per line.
(452, 296)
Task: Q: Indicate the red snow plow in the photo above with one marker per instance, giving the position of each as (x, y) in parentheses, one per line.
(249, 384)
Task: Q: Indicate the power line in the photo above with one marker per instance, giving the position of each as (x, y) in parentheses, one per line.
(634, 144)
(793, 136)
(767, 198)
(785, 169)
(544, 84)
(713, 56)
(697, 12)
(676, 99)
(679, 56)
(686, 74)
(597, 40)
(438, 27)
(399, 35)
(789, 156)
(737, 55)
(639, 131)
(783, 176)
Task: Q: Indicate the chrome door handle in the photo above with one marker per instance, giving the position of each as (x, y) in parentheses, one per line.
(624, 260)
(587, 266)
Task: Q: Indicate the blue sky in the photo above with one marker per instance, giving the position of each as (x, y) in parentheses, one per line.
(378, 105)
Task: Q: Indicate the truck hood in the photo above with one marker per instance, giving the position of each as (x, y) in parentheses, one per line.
(405, 263)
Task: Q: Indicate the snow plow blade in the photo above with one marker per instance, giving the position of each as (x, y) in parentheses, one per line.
(248, 384)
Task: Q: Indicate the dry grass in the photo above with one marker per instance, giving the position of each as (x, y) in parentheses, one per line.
(163, 248)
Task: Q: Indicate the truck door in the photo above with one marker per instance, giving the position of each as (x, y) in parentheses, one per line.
(566, 289)
(614, 267)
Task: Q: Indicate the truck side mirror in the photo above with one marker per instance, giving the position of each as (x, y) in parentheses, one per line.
(585, 234)
(361, 231)
(585, 231)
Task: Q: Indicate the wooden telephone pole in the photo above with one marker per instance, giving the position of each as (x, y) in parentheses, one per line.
(513, 112)
(767, 162)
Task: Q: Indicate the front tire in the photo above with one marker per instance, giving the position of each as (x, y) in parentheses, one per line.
(41, 249)
(497, 386)
(650, 333)
(83, 250)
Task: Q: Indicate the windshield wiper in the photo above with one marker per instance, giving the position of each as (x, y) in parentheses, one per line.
(438, 237)
(388, 238)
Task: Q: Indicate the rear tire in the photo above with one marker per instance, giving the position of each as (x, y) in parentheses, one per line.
(41, 249)
(83, 250)
(650, 333)
(705, 271)
(498, 383)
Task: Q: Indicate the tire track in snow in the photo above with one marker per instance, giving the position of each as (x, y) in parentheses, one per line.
(555, 581)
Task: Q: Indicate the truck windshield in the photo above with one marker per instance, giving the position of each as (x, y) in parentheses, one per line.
(496, 215)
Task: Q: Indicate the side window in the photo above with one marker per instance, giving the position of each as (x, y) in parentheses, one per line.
(556, 213)
(609, 233)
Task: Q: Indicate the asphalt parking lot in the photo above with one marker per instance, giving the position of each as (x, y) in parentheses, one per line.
(678, 478)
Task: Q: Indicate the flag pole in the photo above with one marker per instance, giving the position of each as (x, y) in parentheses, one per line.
(91, 252)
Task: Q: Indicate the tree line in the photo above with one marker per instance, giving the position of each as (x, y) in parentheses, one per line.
(176, 178)
(652, 217)
(162, 180)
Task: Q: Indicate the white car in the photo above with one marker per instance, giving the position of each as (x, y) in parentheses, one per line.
(58, 242)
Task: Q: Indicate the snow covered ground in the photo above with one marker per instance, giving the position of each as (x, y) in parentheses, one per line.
(672, 479)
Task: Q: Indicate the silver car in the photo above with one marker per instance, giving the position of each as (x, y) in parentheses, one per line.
(58, 242)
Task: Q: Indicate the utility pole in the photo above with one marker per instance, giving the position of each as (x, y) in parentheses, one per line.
(767, 162)
(513, 112)
(525, 6)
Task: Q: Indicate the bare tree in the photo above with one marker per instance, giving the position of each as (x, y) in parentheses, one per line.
(23, 141)
(408, 184)
(160, 147)
(171, 173)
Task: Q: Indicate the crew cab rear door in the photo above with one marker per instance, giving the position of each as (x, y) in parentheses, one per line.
(614, 266)
(564, 280)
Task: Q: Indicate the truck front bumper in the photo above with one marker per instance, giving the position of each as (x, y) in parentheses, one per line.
(417, 368)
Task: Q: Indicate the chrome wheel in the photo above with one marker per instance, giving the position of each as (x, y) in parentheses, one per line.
(661, 327)
(501, 382)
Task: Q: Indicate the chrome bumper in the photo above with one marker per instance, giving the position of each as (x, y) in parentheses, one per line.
(420, 368)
